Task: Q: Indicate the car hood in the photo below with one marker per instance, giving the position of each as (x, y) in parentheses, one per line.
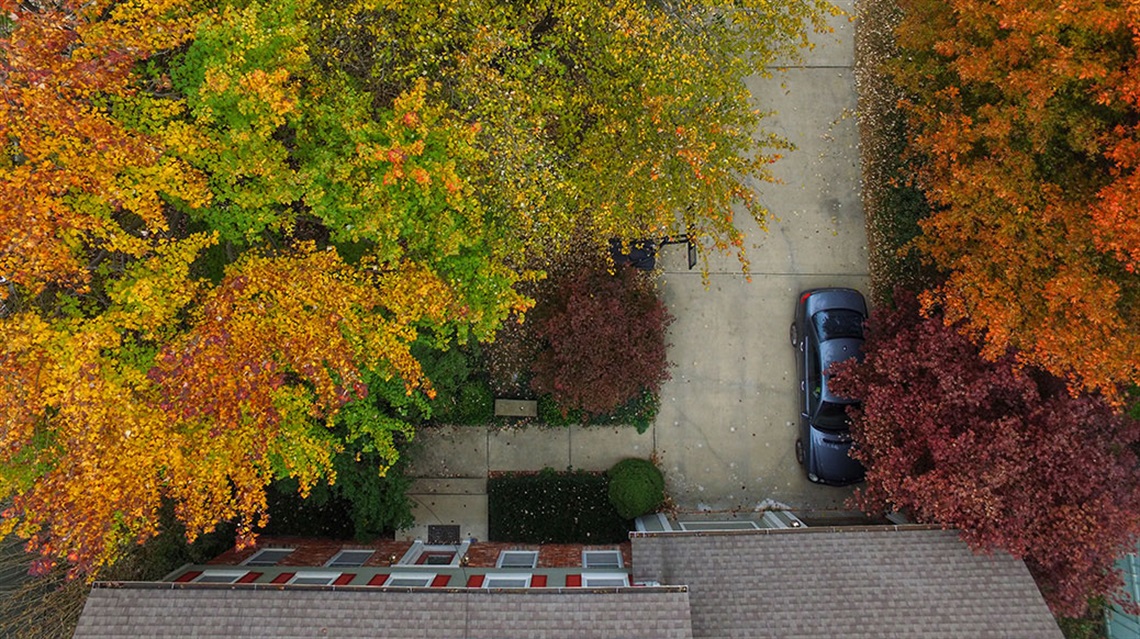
(830, 460)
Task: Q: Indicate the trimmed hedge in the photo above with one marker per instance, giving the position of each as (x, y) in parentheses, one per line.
(636, 487)
(463, 393)
(638, 412)
(553, 507)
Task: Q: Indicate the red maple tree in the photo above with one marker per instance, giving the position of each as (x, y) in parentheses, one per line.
(1002, 452)
(604, 339)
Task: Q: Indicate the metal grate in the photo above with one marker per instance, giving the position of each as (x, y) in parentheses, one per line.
(443, 535)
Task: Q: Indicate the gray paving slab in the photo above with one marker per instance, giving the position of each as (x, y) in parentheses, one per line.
(599, 447)
(532, 448)
(448, 486)
(816, 222)
(448, 451)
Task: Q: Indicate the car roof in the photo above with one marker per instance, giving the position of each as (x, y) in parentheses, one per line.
(838, 323)
(830, 352)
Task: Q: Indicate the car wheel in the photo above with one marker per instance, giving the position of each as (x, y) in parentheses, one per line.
(800, 452)
(794, 335)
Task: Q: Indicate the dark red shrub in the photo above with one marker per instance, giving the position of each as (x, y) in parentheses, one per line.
(603, 340)
(1003, 453)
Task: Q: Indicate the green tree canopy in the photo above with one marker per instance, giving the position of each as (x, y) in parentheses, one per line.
(226, 223)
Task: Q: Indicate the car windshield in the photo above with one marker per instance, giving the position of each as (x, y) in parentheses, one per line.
(839, 323)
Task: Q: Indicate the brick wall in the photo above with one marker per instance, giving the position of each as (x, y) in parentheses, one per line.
(315, 552)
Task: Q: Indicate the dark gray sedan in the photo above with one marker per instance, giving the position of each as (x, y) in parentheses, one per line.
(828, 328)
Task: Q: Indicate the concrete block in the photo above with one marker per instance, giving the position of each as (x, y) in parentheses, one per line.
(516, 408)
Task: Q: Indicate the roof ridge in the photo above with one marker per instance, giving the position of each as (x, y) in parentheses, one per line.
(157, 585)
(799, 530)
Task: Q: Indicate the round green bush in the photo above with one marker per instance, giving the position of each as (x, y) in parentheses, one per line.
(637, 487)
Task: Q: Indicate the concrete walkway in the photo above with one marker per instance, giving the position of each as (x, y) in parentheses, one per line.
(726, 428)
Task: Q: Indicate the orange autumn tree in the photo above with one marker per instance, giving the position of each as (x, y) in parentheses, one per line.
(1024, 130)
(80, 438)
(72, 175)
(295, 335)
(130, 376)
(112, 427)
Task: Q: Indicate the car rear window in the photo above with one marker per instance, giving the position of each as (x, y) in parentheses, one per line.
(840, 323)
(831, 415)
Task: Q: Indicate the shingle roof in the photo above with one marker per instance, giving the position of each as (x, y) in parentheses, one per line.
(865, 582)
(235, 611)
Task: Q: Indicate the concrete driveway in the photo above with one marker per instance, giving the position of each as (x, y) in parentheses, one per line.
(727, 426)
